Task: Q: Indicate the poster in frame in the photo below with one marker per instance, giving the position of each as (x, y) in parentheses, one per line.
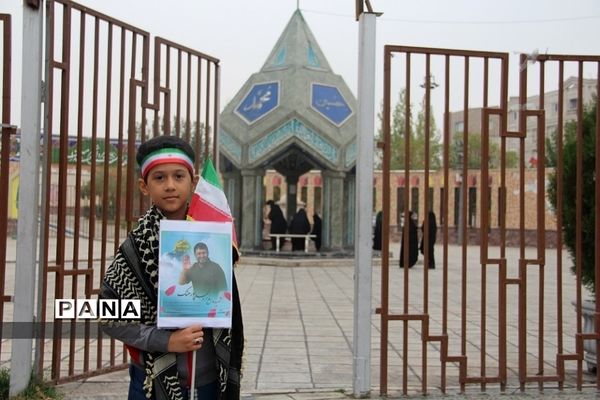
(195, 276)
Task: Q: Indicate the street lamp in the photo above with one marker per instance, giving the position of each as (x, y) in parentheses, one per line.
(429, 79)
(462, 181)
(432, 83)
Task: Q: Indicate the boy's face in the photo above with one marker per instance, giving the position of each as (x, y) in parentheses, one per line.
(169, 187)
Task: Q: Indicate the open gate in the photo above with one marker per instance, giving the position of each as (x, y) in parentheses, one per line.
(506, 313)
(109, 86)
(7, 133)
(527, 333)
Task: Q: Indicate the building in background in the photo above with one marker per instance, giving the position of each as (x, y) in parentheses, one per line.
(570, 93)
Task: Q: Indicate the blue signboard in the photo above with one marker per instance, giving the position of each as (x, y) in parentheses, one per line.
(260, 100)
(330, 103)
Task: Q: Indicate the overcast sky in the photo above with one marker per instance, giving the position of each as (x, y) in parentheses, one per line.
(242, 33)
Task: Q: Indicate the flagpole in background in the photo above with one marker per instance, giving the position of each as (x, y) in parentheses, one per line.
(193, 384)
(209, 202)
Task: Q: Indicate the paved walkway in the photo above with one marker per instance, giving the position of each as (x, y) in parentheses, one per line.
(298, 320)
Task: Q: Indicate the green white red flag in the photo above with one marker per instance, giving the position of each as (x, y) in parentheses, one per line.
(209, 202)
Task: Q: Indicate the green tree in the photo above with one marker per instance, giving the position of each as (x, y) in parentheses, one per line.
(511, 159)
(397, 128)
(569, 194)
(551, 149)
(474, 153)
(111, 198)
(194, 131)
(435, 147)
(417, 133)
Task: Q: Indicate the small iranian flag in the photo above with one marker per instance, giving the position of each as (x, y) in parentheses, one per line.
(209, 202)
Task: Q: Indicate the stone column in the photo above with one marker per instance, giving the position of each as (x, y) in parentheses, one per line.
(349, 209)
(251, 207)
(232, 187)
(333, 209)
(291, 195)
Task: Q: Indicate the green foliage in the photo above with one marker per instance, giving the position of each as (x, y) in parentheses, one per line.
(474, 153)
(194, 132)
(418, 138)
(511, 159)
(551, 149)
(417, 134)
(4, 383)
(35, 390)
(435, 147)
(569, 187)
(111, 199)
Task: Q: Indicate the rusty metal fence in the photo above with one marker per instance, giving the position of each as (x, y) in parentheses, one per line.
(490, 316)
(7, 132)
(109, 87)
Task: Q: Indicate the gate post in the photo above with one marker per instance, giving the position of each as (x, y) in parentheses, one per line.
(29, 171)
(361, 374)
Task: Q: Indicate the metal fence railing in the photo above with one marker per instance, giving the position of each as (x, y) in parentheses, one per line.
(109, 87)
(7, 133)
(499, 316)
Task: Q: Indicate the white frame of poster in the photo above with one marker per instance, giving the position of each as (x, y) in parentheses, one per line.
(179, 305)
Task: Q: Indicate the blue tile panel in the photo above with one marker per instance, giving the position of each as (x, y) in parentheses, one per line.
(260, 100)
(233, 148)
(293, 128)
(330, 103)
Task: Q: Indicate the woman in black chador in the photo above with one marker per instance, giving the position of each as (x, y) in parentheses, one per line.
(413, 242)
(301, 226)
(378, 231)
(316, 230)
(278, 222)
(432, 232)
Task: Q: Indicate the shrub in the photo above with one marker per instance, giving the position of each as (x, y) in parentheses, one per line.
(569, 190)
(35, 390)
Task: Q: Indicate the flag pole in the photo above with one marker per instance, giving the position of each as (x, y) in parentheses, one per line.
(193, 384)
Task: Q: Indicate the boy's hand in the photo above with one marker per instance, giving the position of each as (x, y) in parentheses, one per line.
(184, 340)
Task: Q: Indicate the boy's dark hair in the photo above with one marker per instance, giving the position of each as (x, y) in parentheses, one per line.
(163, 142)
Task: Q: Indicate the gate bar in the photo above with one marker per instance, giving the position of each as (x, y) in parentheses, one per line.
(31, 92)
(361, 375)
(6, 130)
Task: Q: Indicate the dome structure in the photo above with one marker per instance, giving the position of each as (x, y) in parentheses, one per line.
(294, 115)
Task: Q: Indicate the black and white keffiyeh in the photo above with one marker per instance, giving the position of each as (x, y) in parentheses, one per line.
(134, 275)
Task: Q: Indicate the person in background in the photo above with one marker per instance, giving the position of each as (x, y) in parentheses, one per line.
(378, 231)
(316, 230)
(299, 226)
(278, 223)
(432, 231)
(413, 242)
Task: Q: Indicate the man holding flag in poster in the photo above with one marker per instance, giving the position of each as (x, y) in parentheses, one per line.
(166, 363)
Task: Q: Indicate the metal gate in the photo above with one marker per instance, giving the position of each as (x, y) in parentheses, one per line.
(491, 315)
(7, 132)
(109, 86)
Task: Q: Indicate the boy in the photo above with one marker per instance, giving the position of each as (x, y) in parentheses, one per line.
(161, 359)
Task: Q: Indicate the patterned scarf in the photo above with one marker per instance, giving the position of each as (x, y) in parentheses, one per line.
(123, 282)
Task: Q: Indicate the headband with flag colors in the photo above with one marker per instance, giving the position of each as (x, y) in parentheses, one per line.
(209, 202)
(166, 156)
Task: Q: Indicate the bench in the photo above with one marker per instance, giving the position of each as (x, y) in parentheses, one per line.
(278, 236)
